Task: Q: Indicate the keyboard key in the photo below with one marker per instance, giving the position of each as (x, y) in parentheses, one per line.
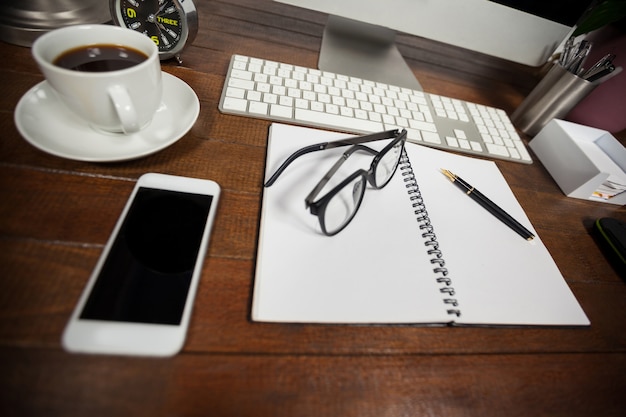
(270, 98)
(476, 146)
(431, 137)
(460, 134)
(281, 111)
(375, 117)
(258, 108)
(389, 120)
(241, 65)
(360, 114)
(332, 109)
(286, 101)
(413, 135)
(522, 150)
(235, 104)
(243, 84)
(254, 96)
(429, 127)
(263, 87)
(514, 153)
(497, 149)
(452, 141)
(317, 106)
(243, 75)
(235, 92)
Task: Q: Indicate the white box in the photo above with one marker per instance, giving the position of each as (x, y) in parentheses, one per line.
(585, 162)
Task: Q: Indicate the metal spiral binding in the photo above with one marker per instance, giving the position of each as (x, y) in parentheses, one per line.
(428, 233)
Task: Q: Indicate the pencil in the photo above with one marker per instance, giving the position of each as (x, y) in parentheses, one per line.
(489, 205)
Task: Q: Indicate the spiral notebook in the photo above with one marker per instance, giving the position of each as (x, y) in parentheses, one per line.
(418, 251)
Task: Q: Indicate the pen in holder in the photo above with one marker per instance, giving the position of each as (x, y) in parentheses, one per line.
(555, 95)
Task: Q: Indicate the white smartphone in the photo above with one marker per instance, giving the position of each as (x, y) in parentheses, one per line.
(139, 298)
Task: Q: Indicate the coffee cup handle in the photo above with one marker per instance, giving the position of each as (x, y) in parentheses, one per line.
(124, 108)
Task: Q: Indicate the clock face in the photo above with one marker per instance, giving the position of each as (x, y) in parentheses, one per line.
(163, 21)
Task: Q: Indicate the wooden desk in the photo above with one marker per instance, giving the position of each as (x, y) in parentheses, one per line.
(56, 215)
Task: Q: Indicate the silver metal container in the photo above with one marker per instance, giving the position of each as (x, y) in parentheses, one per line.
(23, 21)
(555, 95)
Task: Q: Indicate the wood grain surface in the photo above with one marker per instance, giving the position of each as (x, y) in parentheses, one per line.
(56, 215)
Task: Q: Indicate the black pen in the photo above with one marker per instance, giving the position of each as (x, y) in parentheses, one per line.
(489, 205)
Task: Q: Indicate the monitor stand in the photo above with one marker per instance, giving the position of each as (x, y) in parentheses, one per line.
(366, 51)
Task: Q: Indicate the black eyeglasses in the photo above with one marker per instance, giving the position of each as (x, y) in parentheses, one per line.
(337, 207)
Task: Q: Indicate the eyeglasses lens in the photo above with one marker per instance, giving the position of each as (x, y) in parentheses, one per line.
(387, 165)
(343, 205)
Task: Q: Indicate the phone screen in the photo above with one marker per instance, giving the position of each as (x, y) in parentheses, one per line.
(147, 273)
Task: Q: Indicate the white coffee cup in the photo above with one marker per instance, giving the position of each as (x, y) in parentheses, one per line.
(118, 101)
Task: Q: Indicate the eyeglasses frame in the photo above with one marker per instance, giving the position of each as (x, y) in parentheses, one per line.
(318, 207)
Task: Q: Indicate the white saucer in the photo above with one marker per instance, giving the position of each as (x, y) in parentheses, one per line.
(51, 127)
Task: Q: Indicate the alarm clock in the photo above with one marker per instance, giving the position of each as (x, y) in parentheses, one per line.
(171, 24)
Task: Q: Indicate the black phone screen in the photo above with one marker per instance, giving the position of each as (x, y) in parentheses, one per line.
(147, 273)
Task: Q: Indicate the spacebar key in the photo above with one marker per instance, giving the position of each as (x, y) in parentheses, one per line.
(336, 121)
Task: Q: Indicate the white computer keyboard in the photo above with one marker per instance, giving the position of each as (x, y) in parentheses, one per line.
(290, 93)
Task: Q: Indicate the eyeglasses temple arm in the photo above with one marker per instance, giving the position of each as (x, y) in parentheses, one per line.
(293, 157)
(344, 157)
(329, 145)
(362, 139)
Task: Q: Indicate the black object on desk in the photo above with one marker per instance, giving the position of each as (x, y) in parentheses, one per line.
(611, 237)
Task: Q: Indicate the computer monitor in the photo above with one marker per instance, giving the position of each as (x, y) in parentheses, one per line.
(359, 38)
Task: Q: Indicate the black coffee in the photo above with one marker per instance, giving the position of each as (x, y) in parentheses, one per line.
(100, 58)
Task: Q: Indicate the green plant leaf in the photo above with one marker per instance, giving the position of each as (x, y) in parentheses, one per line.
(608, 11)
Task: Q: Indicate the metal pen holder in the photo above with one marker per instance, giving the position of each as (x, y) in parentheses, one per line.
(555, 95)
